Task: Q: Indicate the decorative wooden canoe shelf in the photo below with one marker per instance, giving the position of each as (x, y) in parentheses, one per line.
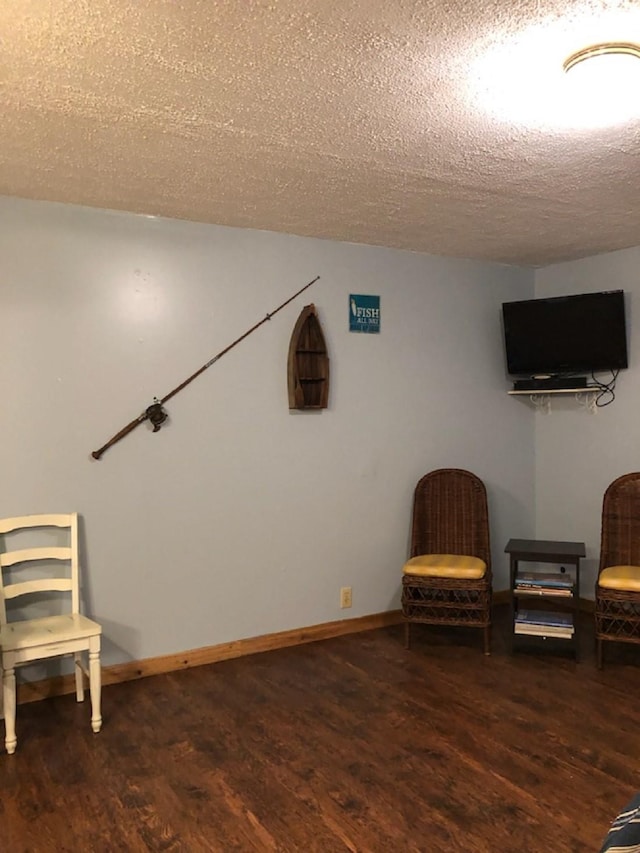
(308, 363)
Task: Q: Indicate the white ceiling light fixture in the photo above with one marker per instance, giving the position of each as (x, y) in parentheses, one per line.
(601, 77)
(578, 72)
(612, 50)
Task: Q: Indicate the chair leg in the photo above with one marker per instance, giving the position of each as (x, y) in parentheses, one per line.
(9, 702)
(487, 639)
(407, 635)
(599, 652)
(79, 677)
(95, 684)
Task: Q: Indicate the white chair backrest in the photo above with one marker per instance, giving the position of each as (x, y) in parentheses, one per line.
(12, 557)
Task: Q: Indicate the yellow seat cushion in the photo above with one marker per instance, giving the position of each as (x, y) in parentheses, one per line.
(620, 577)
(446, 566)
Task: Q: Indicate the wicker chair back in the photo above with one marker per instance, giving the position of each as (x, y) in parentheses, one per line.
(620, 541)
(450, 515)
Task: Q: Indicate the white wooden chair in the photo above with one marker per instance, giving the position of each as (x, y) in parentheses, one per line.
(24, 641)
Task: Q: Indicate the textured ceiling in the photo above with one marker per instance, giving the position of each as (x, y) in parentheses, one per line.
(432, 125)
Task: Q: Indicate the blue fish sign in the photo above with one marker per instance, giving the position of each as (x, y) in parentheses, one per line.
(364, 313)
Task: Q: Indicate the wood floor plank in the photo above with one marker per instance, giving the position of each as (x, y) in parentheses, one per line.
(347, 745)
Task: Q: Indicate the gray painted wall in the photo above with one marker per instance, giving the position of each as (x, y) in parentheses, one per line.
(579, 453)
(240, 518)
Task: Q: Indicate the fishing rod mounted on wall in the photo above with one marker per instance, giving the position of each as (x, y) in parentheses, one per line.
(155, 413)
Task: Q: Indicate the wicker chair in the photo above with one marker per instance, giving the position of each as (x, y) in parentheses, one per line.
(617, 599)
(447, 580)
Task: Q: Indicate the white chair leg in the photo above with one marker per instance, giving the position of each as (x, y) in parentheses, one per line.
(77, 657)
(9, 701)
(95, 687)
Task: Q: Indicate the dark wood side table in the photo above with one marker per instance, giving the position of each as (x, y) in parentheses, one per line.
(544, 551)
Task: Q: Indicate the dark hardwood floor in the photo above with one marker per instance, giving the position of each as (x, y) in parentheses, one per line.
(351, 744)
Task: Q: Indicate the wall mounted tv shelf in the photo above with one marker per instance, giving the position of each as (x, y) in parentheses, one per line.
(541, 398)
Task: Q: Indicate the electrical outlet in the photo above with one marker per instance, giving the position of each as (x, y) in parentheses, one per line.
(345, 596)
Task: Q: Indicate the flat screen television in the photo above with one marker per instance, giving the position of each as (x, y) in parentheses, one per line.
(580, 333)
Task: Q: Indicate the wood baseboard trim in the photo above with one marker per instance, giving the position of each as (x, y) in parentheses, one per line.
(61, 685)
(33, 691)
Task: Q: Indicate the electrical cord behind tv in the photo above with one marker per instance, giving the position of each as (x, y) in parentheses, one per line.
(606, 390)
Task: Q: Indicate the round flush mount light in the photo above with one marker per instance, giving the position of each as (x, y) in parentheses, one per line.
(587, 81)
(599, 79)
(607, 50)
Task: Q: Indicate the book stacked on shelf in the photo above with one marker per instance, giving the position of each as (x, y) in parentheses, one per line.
(544, 583)
(544, 623)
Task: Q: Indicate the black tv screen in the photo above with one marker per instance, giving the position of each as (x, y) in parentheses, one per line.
(566, 334)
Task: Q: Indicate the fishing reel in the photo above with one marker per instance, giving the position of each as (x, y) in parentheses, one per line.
(156, 414)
